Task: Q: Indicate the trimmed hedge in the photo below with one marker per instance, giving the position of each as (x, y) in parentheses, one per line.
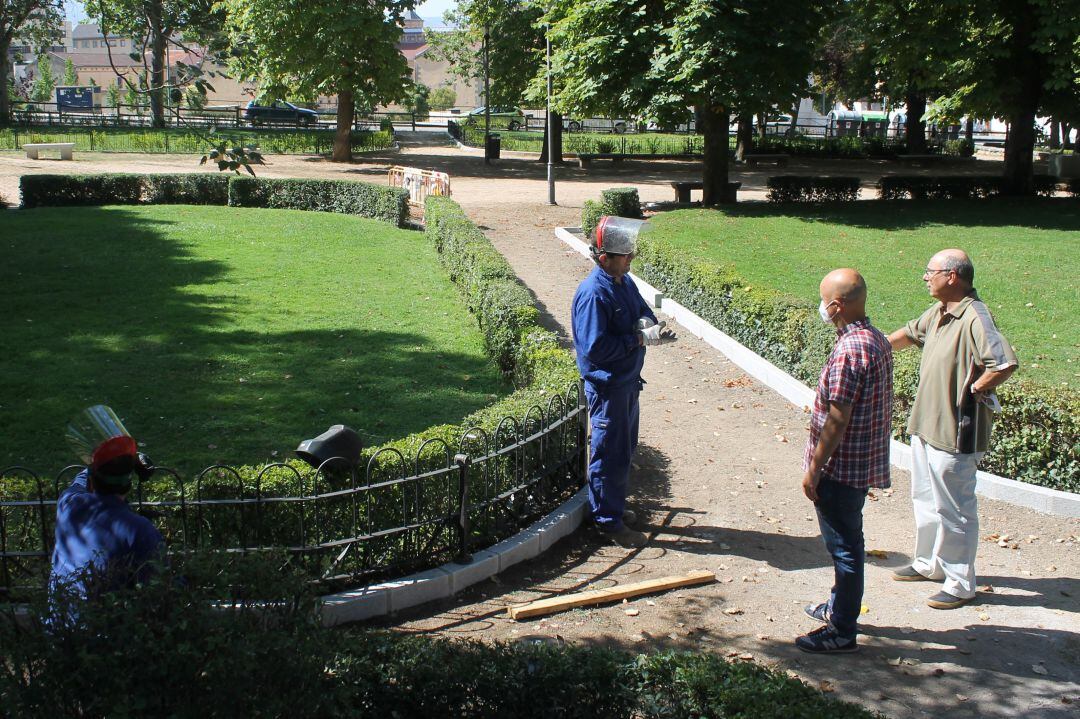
(80, 190)
(347, 197)
(197, 189)
(186, 657)
(798, 188)
(953, 187)
(614, 201)
(1036, 438)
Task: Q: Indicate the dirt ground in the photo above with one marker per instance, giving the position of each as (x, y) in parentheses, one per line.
(717, 479)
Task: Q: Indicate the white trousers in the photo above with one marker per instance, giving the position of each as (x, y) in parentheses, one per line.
(946, 516)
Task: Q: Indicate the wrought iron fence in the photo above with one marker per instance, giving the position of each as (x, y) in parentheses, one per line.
(343, 526)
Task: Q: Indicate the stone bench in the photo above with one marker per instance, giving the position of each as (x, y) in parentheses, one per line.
(683, 188)
(779, 159)
(67, 149)
(586, 158)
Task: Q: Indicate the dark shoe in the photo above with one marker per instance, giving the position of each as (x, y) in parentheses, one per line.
(909, 574)
(629, 516)
(825, 640)
(819, 612)
(944, 600)
(629, 538)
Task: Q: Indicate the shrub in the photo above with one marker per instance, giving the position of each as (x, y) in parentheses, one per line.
(953, 187)
(169, 649)
(797, 188)
(1036, 438)
(1073, 187)
(343, 196)
(193, 189)
(386, 125)
(959, 148)
(70, 190)
(614, 201)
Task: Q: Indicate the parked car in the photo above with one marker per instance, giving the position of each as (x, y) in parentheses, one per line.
(279, 112)
(509, 117)
(595, 124)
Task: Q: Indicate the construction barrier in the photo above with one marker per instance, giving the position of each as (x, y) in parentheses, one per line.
(420, 183)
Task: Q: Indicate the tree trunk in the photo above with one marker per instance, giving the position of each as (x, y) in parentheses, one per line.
(1066, 136)
(1019, 147)
(343, 135)
(793, 128)
(1055, 139)
(1023, 104)
(744, 136)
(714, 121)
(915, 128)
(556, 124)
(969, 129)
(157, 64)
(5, 104)
(761, 118)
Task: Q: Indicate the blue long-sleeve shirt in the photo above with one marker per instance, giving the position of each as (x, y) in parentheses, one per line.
(100, 532)
(604, 319)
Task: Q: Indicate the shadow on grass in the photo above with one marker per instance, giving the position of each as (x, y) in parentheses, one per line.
(102, 307)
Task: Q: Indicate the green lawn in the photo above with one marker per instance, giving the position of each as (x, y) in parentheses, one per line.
(227, 334)
(1026, 255)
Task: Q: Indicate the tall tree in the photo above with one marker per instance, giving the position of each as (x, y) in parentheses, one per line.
(71, 77)
(323, 47)
(656, 58)
(157, 25)
(34, 20)
(44, 82)
(515, 43)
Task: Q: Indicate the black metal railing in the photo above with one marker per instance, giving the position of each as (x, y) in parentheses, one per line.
(344, 526)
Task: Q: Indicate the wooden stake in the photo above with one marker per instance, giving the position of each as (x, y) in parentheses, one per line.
(614, 594)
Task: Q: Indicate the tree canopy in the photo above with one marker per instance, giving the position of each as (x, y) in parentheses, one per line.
(35, 20)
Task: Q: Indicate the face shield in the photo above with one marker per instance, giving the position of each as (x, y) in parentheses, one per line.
(616, 235)
(102, 442)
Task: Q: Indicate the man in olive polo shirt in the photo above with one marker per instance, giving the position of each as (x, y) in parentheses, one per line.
(964, 357)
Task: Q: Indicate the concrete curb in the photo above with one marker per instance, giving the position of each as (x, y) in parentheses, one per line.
(1042, 499)
(449, 579)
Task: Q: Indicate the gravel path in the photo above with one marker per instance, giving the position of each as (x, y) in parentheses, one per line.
(717, 479)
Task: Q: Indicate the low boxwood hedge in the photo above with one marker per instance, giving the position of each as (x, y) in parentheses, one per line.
(800, 188)
(614, 201)
(1036, 438)
(348, 197)
(175, 652)
(953, 187)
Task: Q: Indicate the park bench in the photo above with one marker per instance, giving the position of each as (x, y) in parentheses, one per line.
(585, 158)
(779, 159)
(683, 188)
(919, 159)
(67, 149)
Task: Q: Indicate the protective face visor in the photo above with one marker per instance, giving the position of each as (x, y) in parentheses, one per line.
(616, 236)
(102, 442)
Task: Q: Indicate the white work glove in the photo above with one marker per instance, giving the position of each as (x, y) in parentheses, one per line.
(645, 323)
(656, 335)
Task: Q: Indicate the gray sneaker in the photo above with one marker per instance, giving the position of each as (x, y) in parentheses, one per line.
(629, 538)
(629, 516)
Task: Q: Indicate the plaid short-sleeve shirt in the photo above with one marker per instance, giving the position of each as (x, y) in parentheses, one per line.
(859, 372)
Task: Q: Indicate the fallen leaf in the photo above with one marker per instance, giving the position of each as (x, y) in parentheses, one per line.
(938, 672)
(984, 617)
(747, 657)
(781, 438)
(826, 686)
(762, 637)
(871, 496)
(896, 662)
(864, 609)
(733, 611)
(1039, 669)
(962, 697)
(633, 612)
(989, 589)
(879, 553)
(1051, 568)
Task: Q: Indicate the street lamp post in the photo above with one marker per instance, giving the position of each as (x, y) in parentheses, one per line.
(550, 127)
(487, 98)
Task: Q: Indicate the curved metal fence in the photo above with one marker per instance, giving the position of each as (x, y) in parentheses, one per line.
(343, 525)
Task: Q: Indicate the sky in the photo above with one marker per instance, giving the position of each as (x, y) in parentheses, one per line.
(431, 8)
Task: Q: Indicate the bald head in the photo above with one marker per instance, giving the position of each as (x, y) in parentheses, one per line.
(956, 261)
(846, 289)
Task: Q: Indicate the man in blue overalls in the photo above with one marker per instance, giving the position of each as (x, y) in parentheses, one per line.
(612, 325)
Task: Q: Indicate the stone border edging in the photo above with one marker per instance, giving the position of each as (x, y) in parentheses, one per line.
(449, 579)
(1043, 499)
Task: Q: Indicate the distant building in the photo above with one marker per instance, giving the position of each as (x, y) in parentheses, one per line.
(428, 71)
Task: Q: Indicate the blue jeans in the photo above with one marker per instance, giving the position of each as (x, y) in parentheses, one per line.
(613, 415)
(839, 511)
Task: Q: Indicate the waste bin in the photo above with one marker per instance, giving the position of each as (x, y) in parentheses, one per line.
(493, 148)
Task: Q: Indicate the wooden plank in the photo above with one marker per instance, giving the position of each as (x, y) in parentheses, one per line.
(614, 594)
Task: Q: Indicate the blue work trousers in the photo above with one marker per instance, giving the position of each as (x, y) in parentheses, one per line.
(613, 416)
(839, 511)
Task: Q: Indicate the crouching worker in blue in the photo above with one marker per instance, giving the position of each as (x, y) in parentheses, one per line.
(101, 543)
(612, 325)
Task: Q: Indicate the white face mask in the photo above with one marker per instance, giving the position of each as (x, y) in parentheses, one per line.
(823, 310)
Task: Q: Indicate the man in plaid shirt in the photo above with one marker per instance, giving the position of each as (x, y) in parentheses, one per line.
(847, 452)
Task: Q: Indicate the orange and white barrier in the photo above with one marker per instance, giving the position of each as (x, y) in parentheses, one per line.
(420, 183)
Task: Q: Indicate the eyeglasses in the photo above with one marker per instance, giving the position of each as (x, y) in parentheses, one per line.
(933, 272)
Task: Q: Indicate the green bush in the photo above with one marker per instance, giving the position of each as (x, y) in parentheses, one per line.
(844, 147)
(798, 188)
(347, 197)
(1036, 438)
(72, 190)
(614, 201)
(959, 148)
(194, 189)
(953, 187)
(1073, 187)
(171, 649)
